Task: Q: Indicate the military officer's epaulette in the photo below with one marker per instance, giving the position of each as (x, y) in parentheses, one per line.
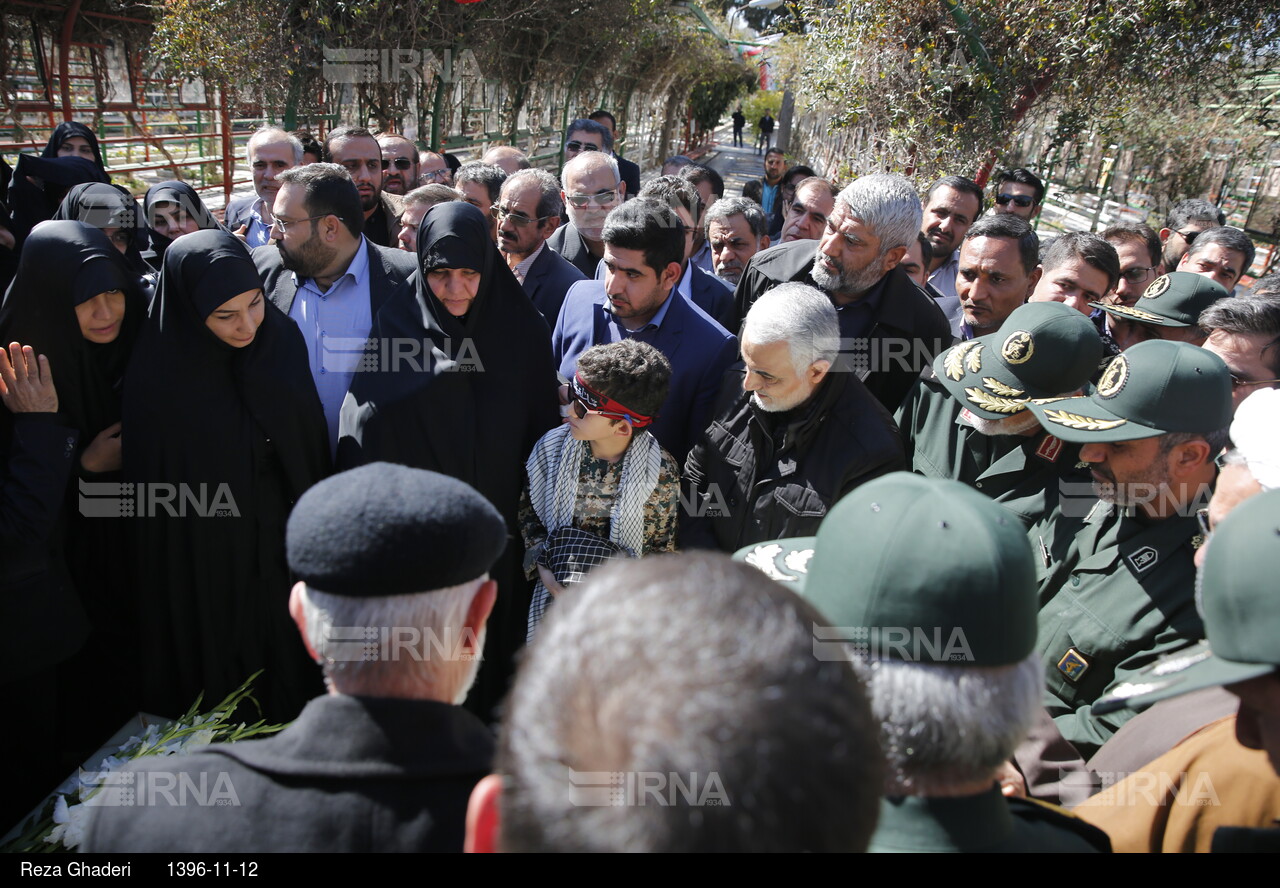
(1036, 811)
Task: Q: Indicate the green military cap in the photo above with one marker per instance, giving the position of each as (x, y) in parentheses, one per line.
(1173, 300)
(1152, 389)
(1041, 350)
(1241, 612)
(917, 569)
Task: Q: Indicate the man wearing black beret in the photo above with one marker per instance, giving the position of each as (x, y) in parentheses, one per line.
(392, 599)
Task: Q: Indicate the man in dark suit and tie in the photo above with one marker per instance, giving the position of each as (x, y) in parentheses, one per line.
(592, 188)
(322, 272)
(644, 244)
(529, 211)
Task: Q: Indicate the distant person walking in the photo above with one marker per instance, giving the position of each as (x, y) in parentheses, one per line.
(739, 121)
(765, 127)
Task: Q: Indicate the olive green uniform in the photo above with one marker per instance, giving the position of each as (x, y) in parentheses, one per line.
(1022, 473)
(1116, 593)
(987, 822)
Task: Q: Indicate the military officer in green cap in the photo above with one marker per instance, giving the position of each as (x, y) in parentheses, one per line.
(930, 588)
(1242, 621)
(1114, 565)
(971, 424)
(1168, 309)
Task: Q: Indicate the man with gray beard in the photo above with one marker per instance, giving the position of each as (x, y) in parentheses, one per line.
(970, 423)
(890, 329)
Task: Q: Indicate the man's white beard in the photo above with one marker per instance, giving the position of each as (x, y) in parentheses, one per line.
(1018, 424)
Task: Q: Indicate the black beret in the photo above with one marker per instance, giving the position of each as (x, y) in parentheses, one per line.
(385, 529)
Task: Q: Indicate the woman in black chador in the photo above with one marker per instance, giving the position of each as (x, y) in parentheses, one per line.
(114, 210)
(172, 209)
(470, 403)
(225, 430)
(63, 571)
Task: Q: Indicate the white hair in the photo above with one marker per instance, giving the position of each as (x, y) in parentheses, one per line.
(944, 726)
(273, 134)
(888, 205)
(396, 645)
(587, 161)
(800, 315)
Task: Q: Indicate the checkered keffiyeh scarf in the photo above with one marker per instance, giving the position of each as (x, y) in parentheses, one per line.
(553, 469)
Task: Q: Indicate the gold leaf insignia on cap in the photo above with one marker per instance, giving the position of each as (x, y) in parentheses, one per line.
(1018, 347)
(1083, 423)
(953, 363)
(1049, 400)
(1000, 388)
(973, 358)
(1114, 377)
(1136, 314)
(994, 404)
(798, 560)
(762, 558)
(1158, 286)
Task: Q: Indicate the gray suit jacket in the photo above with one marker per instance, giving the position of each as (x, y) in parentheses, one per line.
(388, 270)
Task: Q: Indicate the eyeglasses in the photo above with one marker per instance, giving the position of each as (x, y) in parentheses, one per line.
(1237, 382)
(575, 145)
(438, 175)
(1021, 200)
(1138, 274)
(284, 226)
(601, 199)
(581, 411)
(1202, 517)
(1190, 236)
(519, 219)
(400, 163)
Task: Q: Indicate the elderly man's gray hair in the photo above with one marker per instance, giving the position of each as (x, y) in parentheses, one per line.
(943, 726)
(888, 205)
(727, 207)
(800, 315)
(273, 134)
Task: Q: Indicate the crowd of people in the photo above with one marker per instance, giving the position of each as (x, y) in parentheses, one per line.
(832, 517)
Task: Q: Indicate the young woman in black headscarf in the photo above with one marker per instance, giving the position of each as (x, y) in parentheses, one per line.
(172, 209)
(72, 139)
(74, 302)
(221, 414)
(471, 403)
(114, 210)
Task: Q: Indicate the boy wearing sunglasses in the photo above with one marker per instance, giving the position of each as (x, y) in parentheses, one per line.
(600, 485)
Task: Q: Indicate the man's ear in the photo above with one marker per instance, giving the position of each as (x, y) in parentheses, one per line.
(893, 257)
(818, 370)
(1164, 235)
(1033, 279)
(299, 618)
(764, 241)
(671, 275)
(483, 818)
(478, 611)
(1188, 458)
(622, 190)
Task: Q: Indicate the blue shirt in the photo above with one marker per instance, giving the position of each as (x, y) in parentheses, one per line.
(336, 326)
(617, 332)
(259, 233)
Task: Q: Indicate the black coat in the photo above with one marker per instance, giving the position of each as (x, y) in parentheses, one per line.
(909, 329)
(747, 481)
(351, 774)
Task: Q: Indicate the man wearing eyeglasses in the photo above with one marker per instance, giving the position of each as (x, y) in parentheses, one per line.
(591, 187)
(433, 169)
(1245, 333)
(326, 276)
(627, 170)
(399, 164)
(355, 149)
(1020, 193)
(1186, 220)
(1138, 247)
(528, 211)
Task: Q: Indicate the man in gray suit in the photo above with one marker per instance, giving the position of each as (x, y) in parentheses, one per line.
(322, 272)
(269, 152)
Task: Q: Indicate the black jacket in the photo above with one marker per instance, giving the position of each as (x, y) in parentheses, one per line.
(909, 328)
(746, 484)
(351, 774)
(388, 269)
